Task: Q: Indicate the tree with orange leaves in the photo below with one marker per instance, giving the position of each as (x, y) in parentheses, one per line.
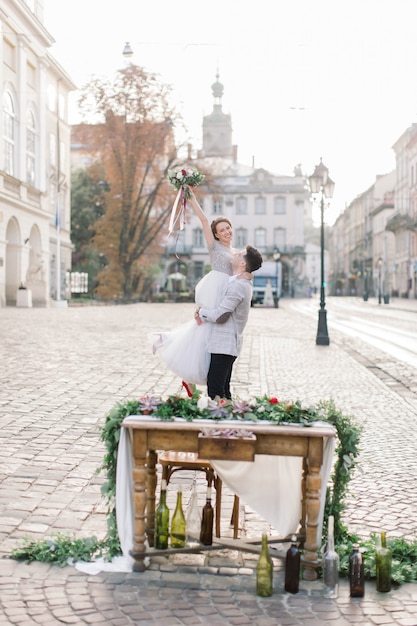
(132, 136)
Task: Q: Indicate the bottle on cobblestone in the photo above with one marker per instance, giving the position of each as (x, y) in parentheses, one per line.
(264, 570)
(178, 523)
(292, 567)
(193, 519)
(356, 573)
(331, 562)
(383, 560)
(162, 519)
(207, 518)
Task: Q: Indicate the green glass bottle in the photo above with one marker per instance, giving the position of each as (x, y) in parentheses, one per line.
(292, 567)
(178, 523)
(162, 520)
(207, 518)
(264, 570)
(383, 560)
(356, 573)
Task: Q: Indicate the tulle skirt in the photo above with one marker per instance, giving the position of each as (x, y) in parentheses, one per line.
(184, 350)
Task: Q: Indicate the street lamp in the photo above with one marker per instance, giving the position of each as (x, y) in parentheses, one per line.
(380, 262)
(322, 185)
(276, 256)
(127, 51)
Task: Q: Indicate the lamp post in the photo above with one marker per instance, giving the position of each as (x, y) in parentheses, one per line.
(276, 256)
(380, 261)
(322, 185)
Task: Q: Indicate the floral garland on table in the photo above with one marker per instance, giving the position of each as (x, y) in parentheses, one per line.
(183, 181)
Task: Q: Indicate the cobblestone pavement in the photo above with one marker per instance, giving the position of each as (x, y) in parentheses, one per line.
(61, 370)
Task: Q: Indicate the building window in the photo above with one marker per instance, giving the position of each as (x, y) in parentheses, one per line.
(31, 75)
(53, 201)
(198, 270)
(260, 205)
(217, 207)
(9, 122)
(241, 237)
(279, 238)
(9, 54)
(260, 238)
(279, 205)
(51, 96)
(241, 205)
(198, 239)
(52, 149)
(30, 149)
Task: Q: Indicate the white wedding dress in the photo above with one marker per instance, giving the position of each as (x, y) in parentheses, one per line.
(184, 350)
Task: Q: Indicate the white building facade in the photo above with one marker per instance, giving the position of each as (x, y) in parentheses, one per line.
(35, 247)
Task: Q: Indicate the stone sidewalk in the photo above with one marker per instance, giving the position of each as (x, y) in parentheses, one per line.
(62, 370)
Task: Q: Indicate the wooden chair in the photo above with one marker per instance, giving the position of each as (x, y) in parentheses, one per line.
(176, 461)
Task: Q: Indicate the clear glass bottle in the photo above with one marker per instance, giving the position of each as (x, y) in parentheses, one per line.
(193, 520)
(178, 523)
(264, 570)
(292, 567)
(356, 573)
(331, 562)
(383, 560)
(162, 520)
(207, 518)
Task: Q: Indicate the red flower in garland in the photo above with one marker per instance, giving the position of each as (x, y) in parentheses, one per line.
(273, 400)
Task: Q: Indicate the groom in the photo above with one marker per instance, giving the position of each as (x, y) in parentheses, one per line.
(229, 320)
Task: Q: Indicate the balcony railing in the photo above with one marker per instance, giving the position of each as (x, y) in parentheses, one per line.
(401, 221)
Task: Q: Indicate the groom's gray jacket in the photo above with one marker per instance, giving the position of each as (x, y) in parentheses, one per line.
(229, 318)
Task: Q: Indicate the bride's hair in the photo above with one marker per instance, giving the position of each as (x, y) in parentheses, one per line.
(214, 223)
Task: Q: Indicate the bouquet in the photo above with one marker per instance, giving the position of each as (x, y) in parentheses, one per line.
(183, 181)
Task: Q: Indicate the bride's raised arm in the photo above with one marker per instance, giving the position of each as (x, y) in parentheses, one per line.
(208, 234)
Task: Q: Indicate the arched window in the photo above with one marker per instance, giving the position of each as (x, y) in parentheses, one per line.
(30, 149)
(198, 240)
(241, 237)
(279, 205)
(280, 238)
(260, 205)
(260, 238)
(9, 134)
(241, 205)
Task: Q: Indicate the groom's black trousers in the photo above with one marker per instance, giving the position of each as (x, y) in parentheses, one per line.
(219, 375)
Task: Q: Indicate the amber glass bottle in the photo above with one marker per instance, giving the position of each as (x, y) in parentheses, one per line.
(356, 574)
(292, 567)
(207, 518)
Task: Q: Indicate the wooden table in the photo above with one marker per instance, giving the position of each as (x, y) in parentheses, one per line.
(150, 435)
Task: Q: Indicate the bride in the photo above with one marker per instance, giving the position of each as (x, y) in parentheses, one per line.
(184, 350)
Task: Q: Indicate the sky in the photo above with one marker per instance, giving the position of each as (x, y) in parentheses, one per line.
(303, 79)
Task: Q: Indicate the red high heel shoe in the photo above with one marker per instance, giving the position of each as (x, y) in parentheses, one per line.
(187, 389)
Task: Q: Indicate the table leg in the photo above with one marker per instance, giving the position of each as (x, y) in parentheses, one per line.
(313, 486)
(303, 503)
(140, 474)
